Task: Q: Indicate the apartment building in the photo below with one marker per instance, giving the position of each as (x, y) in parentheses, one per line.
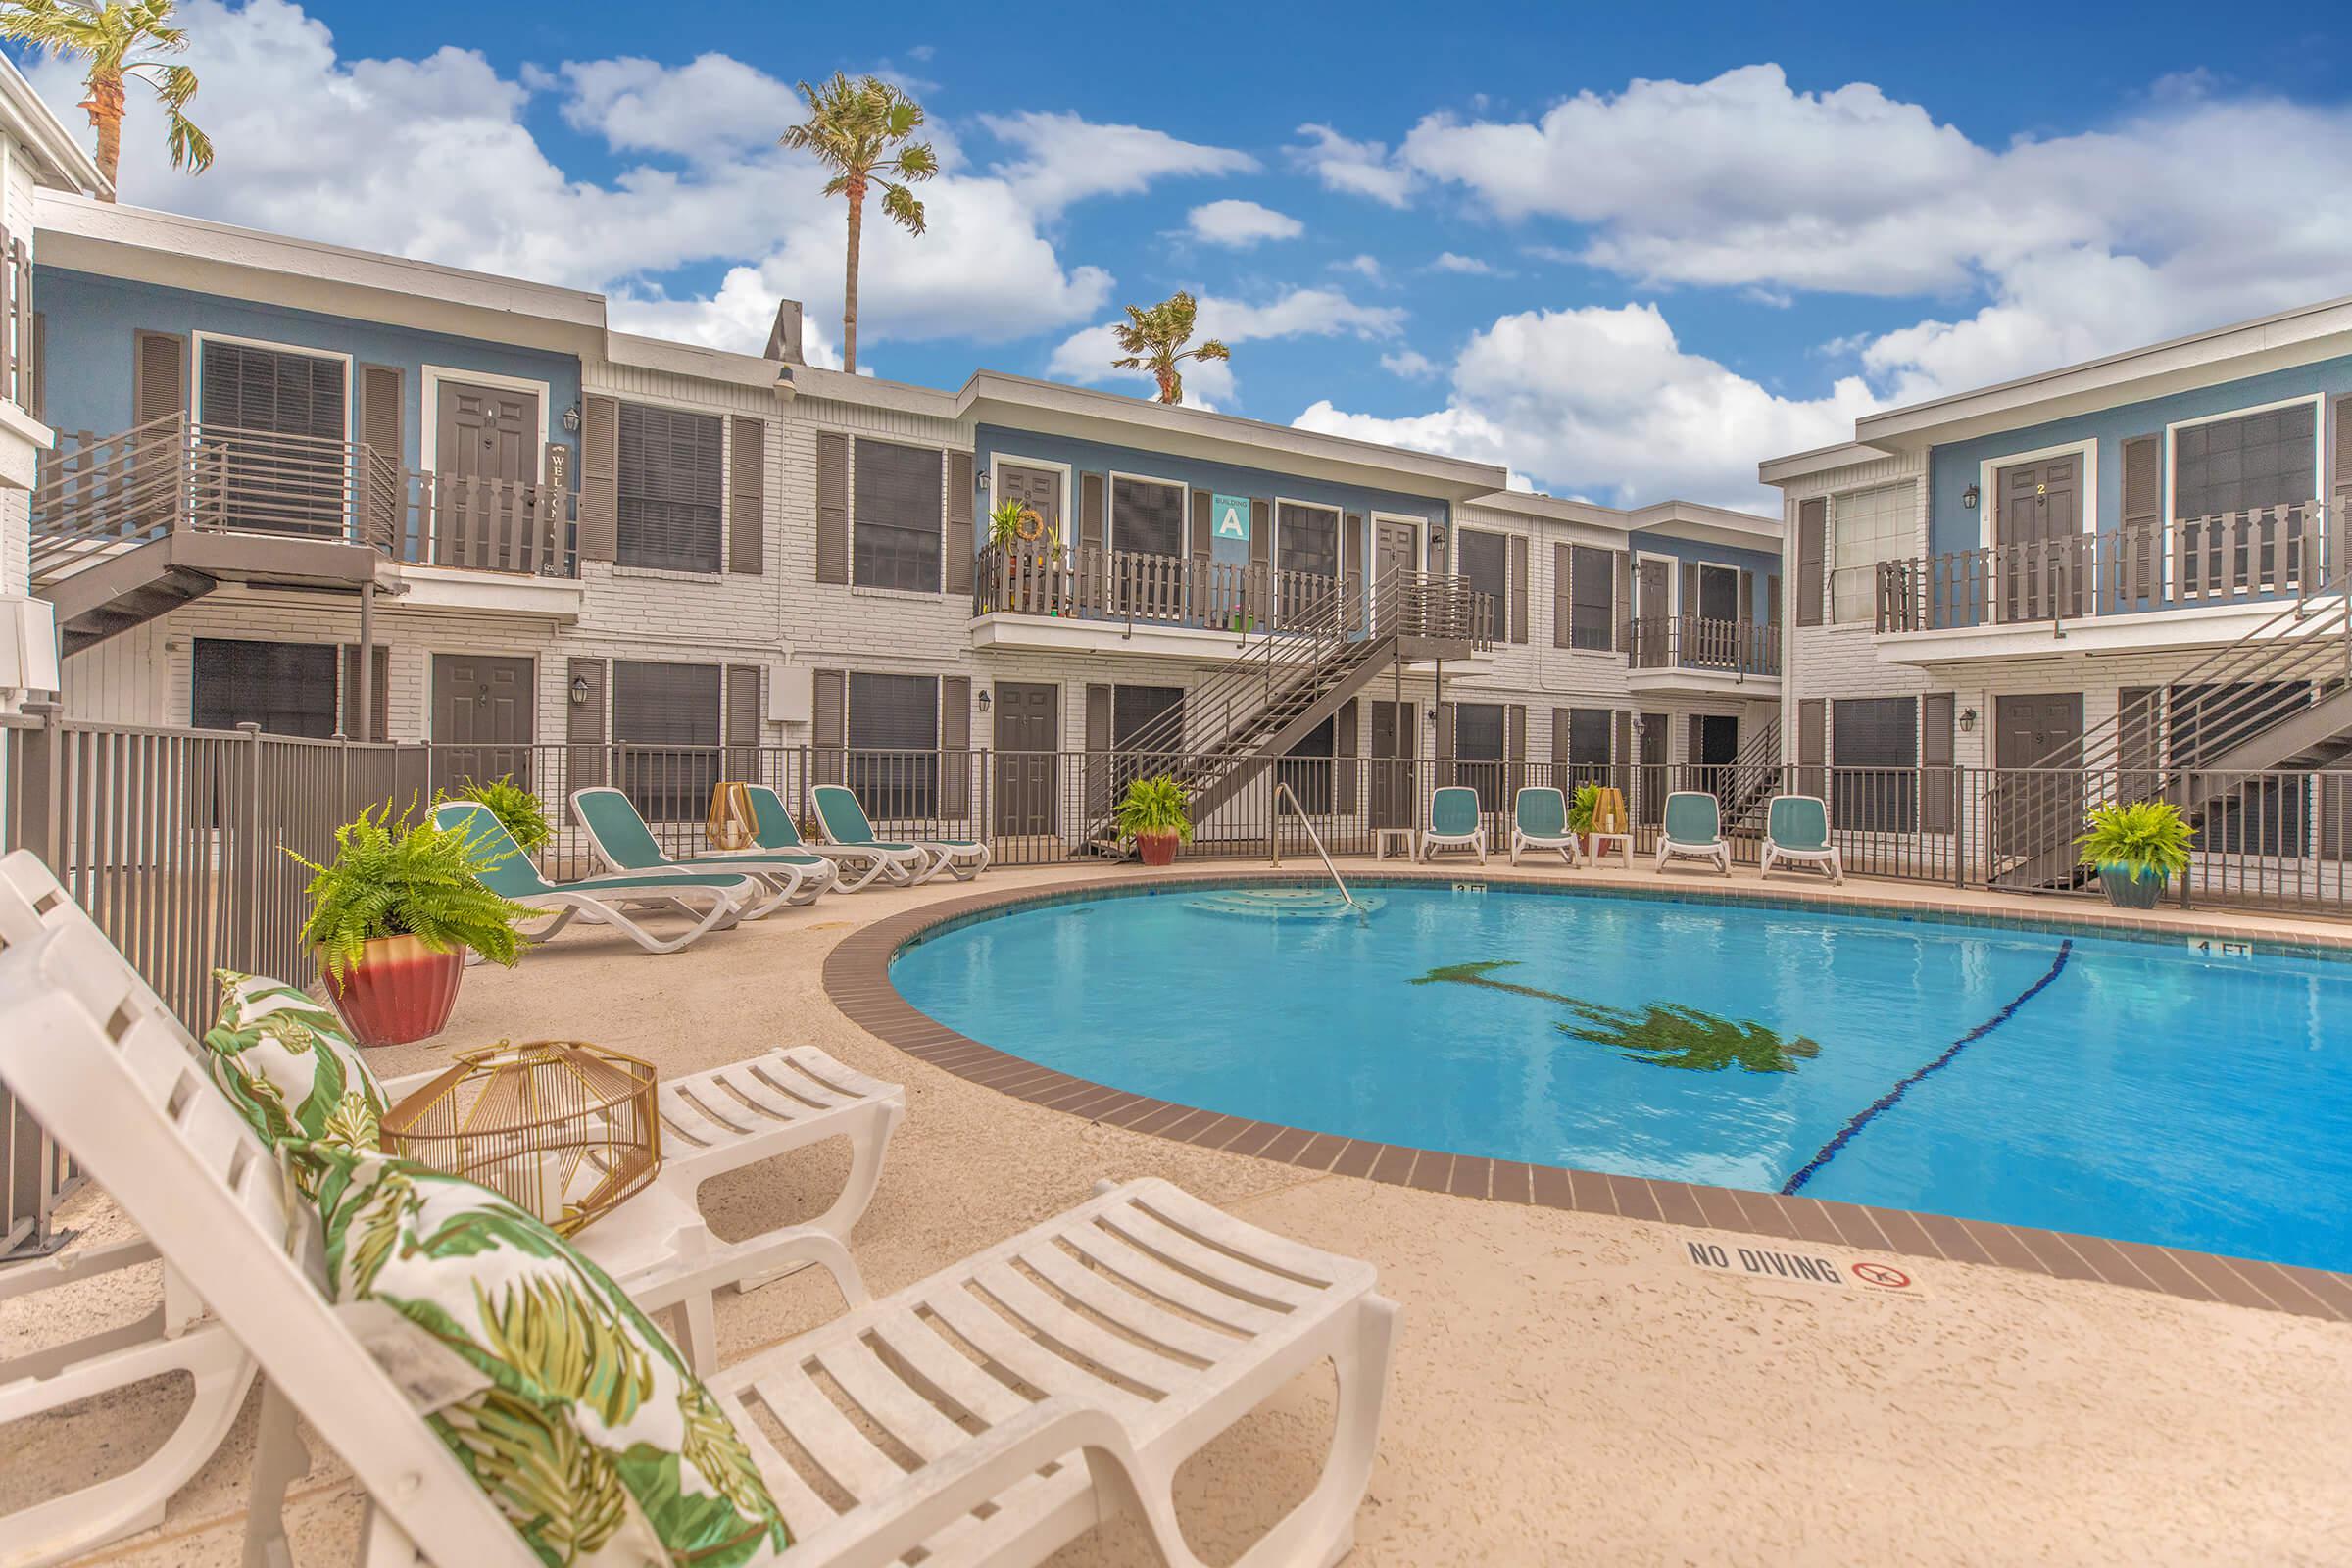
(287, 463)
(2114, 565)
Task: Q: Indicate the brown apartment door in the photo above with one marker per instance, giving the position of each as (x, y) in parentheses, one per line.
(2028, 732)
(1393, 792)
(1653, 590)
(1038, 489)
(1028, 744)
(1657, 782)
(486, 435)
(482, 719)
(1393, 556)
(2041, 566)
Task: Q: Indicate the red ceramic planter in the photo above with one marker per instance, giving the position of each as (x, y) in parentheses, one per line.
(1156, 849)
(401, 990)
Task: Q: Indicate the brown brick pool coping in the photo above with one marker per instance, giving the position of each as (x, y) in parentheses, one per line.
(856, 977)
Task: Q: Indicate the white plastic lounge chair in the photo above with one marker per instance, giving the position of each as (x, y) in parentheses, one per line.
(774, 830)
(712, 900)
(619, 838)
(1540, 821)
(1693, 831)
(846, 823)
(1453, 824)
(1796, 829)
(711, 1123)
(1105, 1346)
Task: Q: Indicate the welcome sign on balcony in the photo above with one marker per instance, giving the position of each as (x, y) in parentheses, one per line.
(1231, 515)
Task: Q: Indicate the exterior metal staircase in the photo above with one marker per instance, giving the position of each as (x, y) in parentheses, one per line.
(2278, 698)
(1746, 788)
(1249, 715)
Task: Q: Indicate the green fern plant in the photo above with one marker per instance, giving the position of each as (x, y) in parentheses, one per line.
(1581, 808)
(392, 877)
(1155, 804)
(2146, 838)
(520, 813)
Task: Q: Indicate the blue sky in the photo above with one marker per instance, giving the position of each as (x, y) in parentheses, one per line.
(1626, 251)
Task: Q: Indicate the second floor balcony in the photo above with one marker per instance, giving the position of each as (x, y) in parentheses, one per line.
(1701, 652)
(2242, 558)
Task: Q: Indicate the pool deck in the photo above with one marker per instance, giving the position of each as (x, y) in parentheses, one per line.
(1571, 1384)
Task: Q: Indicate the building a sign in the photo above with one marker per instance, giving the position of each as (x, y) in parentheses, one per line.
(1229, 516)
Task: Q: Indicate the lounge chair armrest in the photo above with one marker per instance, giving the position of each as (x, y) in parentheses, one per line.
(893, 1522)
(735, 1261)
(41, 1274)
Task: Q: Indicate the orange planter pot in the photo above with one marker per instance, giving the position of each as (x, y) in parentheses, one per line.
(1156, 849)
(401, 990)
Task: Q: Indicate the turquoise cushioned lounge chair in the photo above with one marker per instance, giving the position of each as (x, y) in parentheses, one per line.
(1797, 830)
(1540, 821)
(846, 823)
(1453, 823)
(1693, 831)
(619, 838)
(714, 900)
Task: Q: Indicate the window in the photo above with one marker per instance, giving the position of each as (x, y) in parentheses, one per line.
(668, 493)
(1593, 589)
(1307, 770)
(1874, 750)
(1485, 563)
(1478, 750)
(1309, 538)
(1718, 594)
(1588, 747)
(1147, 517)
(286, 688)
(894, 744)
(665, 732)
(2254, 459)
(246, 394)
(1867, 527)
(898, 495)
(1136, 715)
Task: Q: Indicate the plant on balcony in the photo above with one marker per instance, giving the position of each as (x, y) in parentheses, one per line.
(123, 44)
(1155, 814)
(520, 813)
(2138, 846)
(392, 917)
(1581, 808)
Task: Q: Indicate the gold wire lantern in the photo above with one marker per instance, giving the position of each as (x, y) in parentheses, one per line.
(565, 1130)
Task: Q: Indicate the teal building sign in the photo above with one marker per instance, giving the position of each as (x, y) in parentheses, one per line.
(1229, 516)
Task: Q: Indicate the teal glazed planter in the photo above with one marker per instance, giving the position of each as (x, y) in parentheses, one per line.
(2128, 891)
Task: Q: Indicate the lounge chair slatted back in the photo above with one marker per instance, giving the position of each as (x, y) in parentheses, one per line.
(1542, 814)
(1798, 822)
(845, 820)
(621, 833)
(1693, 817)
(772, 825)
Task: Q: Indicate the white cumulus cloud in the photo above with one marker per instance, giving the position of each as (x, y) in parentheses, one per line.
(1239, 224)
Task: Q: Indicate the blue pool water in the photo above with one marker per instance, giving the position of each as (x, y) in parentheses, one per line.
(2121, 1089)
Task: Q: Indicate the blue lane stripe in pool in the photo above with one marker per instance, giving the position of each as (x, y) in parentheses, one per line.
(1828, 1150)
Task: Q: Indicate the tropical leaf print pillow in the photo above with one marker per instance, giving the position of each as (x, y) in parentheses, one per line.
(587, 1430)
(290, 1066)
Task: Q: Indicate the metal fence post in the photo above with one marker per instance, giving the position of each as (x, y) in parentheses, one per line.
(39, 809)
(249, 852)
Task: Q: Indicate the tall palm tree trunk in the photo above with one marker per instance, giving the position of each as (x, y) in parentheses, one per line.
(105, 106)
(849, 297)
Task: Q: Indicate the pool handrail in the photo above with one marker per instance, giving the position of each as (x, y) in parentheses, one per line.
(1281, 787)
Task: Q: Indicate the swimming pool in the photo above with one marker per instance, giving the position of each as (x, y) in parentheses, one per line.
(2114, 1088)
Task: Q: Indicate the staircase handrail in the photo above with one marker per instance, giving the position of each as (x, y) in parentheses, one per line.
(1299, 642)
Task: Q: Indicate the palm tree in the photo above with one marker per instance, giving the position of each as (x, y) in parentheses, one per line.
(122, 43)
(1155, 341)
(857, 129)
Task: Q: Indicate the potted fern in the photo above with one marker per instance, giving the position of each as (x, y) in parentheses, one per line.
(1157, 815)
(2138, 848)
(393, 916)
(520, 813)
(1580, 807)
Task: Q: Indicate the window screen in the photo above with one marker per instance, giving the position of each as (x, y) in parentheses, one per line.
(1718, 594)
(665, 732)
(1592, 585)
(894, 744)
(249, 394)
(1587, 745)
(286, 688)
(1147, 517)
(668, 509)
(2257, 459)
(1134, 710)
(1485, 563)
(1309, 539)
(1478, 748)
(1867, 527)
(898, 503)
(1874, 751)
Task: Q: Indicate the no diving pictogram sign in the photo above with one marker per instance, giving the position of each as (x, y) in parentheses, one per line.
(1885, 1276)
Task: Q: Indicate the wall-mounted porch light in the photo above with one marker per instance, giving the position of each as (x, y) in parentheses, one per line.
(579, 690)
(572, 419)
(1968, 719)
(984, 699)
(1969, 498)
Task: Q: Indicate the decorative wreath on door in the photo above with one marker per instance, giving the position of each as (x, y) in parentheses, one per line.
(1031, 527)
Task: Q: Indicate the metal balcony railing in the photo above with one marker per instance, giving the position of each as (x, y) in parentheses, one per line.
(1696, 642)
(2265, 553)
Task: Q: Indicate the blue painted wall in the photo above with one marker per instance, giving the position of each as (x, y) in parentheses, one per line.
(1093, 457)
(1764, 564)
(1953, 468)
(90, 320)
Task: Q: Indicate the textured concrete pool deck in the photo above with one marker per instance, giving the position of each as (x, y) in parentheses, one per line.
(1570, 1387)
